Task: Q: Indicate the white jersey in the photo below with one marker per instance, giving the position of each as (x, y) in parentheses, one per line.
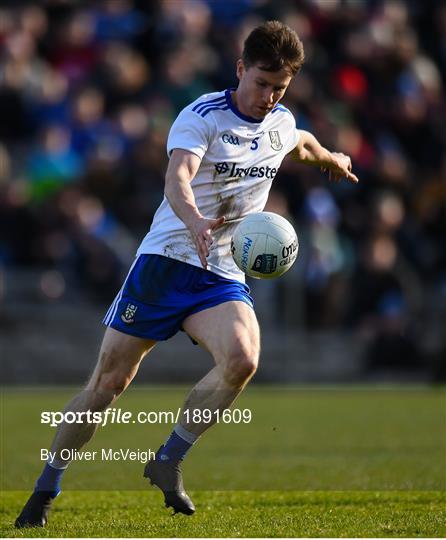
(240, 157)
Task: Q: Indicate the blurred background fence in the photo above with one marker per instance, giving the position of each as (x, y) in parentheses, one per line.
(88, 92)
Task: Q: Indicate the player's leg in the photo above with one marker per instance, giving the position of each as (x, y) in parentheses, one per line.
(230, 332)
(119, 358)
(118, 363)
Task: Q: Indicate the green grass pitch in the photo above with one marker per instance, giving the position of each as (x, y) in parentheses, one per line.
(313, 462)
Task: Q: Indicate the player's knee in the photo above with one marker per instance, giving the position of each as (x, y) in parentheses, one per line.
(113, 384)
(106, 389)
(241, 363)
(110, 381)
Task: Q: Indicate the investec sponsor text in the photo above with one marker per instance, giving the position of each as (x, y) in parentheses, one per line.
(233, 171)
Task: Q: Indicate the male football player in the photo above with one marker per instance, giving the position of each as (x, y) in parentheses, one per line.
(224, 151)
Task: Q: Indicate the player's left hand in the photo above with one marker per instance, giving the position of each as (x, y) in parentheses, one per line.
(339, 167)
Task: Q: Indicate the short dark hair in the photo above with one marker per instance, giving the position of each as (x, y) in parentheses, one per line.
(273, 45)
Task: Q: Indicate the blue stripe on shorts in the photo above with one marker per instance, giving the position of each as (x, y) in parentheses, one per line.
(159, 293)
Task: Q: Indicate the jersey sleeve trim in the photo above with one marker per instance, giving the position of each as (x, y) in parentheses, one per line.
(191, 131)
(203, 107)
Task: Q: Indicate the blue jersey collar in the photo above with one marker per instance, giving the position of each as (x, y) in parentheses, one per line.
(236, 111)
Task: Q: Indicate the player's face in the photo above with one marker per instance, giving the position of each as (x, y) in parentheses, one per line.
(259, 90)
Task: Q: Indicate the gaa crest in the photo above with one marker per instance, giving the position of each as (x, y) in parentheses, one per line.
(129, 314)
(276, 143)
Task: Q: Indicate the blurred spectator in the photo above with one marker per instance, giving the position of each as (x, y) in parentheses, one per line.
(53, 163)
(89, 125)
(328, 260)
(117, 20)
(75, 54)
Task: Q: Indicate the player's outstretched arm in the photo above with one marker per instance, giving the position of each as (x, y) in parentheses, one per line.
(182, 168)
(311, 152)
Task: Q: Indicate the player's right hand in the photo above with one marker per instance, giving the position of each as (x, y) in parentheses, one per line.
(201, 231)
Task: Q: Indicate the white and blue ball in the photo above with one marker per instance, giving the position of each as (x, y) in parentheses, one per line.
(264, 245)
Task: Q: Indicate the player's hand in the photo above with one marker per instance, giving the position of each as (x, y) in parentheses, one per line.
(201, 230)
(340, 167)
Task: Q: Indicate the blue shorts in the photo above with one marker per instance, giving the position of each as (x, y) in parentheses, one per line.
(159, 293)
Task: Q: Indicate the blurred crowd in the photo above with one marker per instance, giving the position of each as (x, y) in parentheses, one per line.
(88, 92)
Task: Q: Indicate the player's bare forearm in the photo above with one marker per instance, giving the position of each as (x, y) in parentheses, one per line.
(182, 168)
(309, 151)
(180, 173)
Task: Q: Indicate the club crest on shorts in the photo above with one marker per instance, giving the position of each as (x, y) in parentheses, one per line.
(276, 143)
(129, 314)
